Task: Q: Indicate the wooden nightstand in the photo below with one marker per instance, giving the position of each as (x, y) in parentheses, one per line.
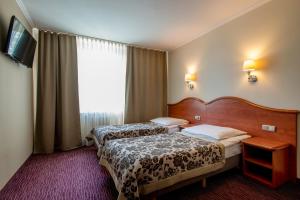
(186, 126)
(266, 161)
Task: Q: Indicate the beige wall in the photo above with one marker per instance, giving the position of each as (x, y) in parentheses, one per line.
(270, 34)
(16, 115)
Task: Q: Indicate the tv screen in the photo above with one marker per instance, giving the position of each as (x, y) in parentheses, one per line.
(20, 45)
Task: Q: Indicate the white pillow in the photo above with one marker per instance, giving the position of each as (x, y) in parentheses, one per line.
(167, 121)
(217, 132)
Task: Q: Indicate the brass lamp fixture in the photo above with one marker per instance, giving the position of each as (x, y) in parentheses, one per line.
(250, 66)
(189, 79)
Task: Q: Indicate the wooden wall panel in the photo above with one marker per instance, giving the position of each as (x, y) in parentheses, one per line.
(244, 115)
(188, 109)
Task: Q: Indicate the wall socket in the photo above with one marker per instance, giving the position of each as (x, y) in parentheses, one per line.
(197, 117)
(269, 128)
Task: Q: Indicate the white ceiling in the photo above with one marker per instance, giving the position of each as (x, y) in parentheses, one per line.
(158, 24)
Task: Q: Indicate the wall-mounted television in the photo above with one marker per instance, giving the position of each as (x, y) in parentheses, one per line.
(20, 45)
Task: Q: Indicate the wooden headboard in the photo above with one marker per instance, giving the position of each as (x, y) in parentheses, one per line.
(244, 115)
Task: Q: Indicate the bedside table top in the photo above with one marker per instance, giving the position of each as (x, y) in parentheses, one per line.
(265, 143)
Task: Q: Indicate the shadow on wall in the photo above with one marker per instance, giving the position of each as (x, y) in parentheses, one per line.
(2, 34)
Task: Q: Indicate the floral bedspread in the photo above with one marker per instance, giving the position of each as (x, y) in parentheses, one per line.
(144, 160)
(111, 132)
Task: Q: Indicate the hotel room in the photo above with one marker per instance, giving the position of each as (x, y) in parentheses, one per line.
(149, 99)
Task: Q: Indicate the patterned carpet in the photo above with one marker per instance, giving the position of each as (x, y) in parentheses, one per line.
(77, 175)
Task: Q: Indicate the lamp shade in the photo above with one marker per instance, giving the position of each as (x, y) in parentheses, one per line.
(190, 77)
(249, 65)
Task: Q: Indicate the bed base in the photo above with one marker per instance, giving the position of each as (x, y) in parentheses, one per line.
(97, 145)
(153, 196)
(232, 162)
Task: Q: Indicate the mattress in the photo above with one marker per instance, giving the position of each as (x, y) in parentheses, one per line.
(232, 145)
(233, 150)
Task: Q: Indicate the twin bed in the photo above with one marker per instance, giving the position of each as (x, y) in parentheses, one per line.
(148, 157)
(142, 165)
(156, 126)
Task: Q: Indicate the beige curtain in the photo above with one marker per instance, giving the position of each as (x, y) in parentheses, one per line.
(146, 85)
(57, 118)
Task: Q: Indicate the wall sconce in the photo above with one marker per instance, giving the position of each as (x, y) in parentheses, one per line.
(249, 66)
(189, 78)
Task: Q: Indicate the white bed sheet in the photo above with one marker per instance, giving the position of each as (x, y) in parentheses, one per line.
(233, 145)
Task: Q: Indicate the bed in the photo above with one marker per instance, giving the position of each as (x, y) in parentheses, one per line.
(142, 165)
(156, 126)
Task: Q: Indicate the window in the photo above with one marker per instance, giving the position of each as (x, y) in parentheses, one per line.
(101, 76)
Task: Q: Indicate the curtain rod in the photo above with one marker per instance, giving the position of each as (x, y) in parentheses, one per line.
(73, 34)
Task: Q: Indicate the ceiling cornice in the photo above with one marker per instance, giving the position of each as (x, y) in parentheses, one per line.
(252, 7)
(25, 13)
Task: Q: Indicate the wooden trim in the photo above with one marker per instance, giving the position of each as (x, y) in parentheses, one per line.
(239, 99)
(253, 104)
(185, 99)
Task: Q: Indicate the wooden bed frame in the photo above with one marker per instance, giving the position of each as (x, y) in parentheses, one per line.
(244, 115)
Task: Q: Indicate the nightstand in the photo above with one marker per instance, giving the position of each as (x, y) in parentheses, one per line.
(186, 126)
(266, 161)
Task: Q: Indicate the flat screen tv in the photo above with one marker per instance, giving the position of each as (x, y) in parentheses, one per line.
(20, 45)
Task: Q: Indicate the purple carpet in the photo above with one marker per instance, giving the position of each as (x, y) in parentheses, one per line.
(77, 175)
(73, 175)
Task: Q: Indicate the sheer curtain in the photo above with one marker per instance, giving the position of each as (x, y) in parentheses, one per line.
(102, 72)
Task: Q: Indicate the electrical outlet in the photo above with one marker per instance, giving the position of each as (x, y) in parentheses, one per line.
(197, 117)
(269, 128)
